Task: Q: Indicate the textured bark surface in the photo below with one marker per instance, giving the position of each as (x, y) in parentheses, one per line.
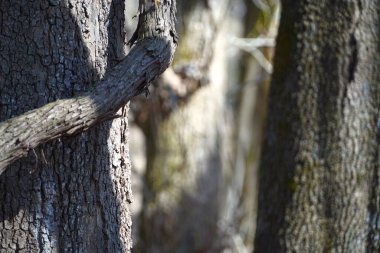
(70, 195)
(319, 177)
(149, 58)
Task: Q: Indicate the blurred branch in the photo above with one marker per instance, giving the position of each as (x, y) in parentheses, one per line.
(251, 46)
(261, 5)
(265, 5)
(257, 42)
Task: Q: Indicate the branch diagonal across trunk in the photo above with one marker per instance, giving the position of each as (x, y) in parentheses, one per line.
(153, 52)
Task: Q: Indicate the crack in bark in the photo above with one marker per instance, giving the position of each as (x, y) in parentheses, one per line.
(353, 59)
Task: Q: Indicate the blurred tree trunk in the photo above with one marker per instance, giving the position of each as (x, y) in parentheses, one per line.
(319, 179)
(70, 195)
(199, 186)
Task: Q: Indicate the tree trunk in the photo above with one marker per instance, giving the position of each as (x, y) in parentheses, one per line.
(184, 150)
(70, 195)
(196, 184)
(319, 178)
(157, 40)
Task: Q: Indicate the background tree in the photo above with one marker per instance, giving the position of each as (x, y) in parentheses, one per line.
(198, 189)
(319, 176)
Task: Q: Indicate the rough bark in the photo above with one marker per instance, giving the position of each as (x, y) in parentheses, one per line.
(72, 194)
(156, 38)
(319, 177)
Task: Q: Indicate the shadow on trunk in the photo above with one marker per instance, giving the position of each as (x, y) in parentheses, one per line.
(62, 196)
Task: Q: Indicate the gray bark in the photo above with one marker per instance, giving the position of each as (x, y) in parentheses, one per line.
(72, 194)
(319, 177)
(148, 59)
